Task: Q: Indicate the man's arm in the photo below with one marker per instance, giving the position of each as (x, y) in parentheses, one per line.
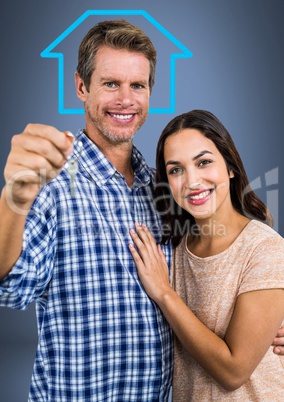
(37, 156)
(11, 233)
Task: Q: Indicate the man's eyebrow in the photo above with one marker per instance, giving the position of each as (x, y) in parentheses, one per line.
(108, 79)
(113, 79)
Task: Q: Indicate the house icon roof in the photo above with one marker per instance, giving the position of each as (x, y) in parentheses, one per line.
(50, 52)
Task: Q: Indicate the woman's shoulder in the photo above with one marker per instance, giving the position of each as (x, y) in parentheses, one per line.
(262, 231)
(259, 235)
(255, 237)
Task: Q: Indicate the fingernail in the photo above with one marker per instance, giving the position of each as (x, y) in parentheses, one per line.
(277, 351)
(69, 134)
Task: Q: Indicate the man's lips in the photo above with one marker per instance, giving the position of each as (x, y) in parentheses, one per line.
(124, 117)
(199, 197)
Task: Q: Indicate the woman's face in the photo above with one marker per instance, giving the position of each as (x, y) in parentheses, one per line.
(197, 173)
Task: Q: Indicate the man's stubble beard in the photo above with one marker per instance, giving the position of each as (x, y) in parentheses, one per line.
(112, 135)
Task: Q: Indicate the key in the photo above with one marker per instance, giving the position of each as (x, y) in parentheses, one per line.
(72, 169)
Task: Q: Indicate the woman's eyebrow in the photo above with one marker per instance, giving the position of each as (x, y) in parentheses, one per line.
(172, 163)
(202, 153)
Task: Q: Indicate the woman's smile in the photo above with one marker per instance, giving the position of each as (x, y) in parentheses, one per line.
(199, 197)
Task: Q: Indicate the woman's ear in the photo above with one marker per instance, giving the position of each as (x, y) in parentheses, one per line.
(231, 174)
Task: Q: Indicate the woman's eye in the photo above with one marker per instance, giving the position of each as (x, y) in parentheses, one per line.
(175, 170)
(204, 162)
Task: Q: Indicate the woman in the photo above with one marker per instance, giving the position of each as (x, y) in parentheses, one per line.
(226, 301)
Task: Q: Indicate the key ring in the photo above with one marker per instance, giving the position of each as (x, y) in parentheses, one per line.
(72, 164)
(80, 146)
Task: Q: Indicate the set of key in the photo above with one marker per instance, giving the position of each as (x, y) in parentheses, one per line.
(72, 166)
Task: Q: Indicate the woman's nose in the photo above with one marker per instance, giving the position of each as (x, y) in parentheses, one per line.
(193, 179)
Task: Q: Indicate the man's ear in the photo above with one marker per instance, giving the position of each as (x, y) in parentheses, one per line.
(81, 90)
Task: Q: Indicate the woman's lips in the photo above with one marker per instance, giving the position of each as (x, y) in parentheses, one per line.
(199, 197)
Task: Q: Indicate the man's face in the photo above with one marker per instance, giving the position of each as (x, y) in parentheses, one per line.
(117, 103)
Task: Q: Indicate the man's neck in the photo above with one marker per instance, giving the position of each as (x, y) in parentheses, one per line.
(120, 157)
(119, 154)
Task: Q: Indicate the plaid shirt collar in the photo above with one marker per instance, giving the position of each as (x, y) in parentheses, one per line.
(100, 169)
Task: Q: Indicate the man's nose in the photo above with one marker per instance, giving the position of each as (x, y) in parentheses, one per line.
(125, 97)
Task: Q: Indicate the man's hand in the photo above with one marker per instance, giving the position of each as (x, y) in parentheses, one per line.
(37, 155)
(278, 342)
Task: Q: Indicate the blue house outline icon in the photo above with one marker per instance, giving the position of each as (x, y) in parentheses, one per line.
(48, 53)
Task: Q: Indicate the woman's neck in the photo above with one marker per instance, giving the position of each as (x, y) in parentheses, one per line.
(215, 236)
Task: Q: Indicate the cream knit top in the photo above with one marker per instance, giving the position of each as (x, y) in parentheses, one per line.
(210, 286)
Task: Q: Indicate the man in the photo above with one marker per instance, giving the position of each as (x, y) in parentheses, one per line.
(100, 337)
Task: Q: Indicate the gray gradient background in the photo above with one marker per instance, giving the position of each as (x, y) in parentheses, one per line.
(236, 72)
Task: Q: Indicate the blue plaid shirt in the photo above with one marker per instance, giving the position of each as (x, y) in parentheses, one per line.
(100, 337)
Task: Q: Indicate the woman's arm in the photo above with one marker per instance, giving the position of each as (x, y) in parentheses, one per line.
(254, 323)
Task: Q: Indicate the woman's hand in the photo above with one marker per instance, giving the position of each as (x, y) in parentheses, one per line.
(151, 263)
(278, 342)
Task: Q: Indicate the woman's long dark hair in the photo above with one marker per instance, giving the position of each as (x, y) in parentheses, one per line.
(177, 221)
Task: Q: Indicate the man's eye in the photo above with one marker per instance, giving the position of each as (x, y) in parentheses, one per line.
(110, 84)
(137, 86)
